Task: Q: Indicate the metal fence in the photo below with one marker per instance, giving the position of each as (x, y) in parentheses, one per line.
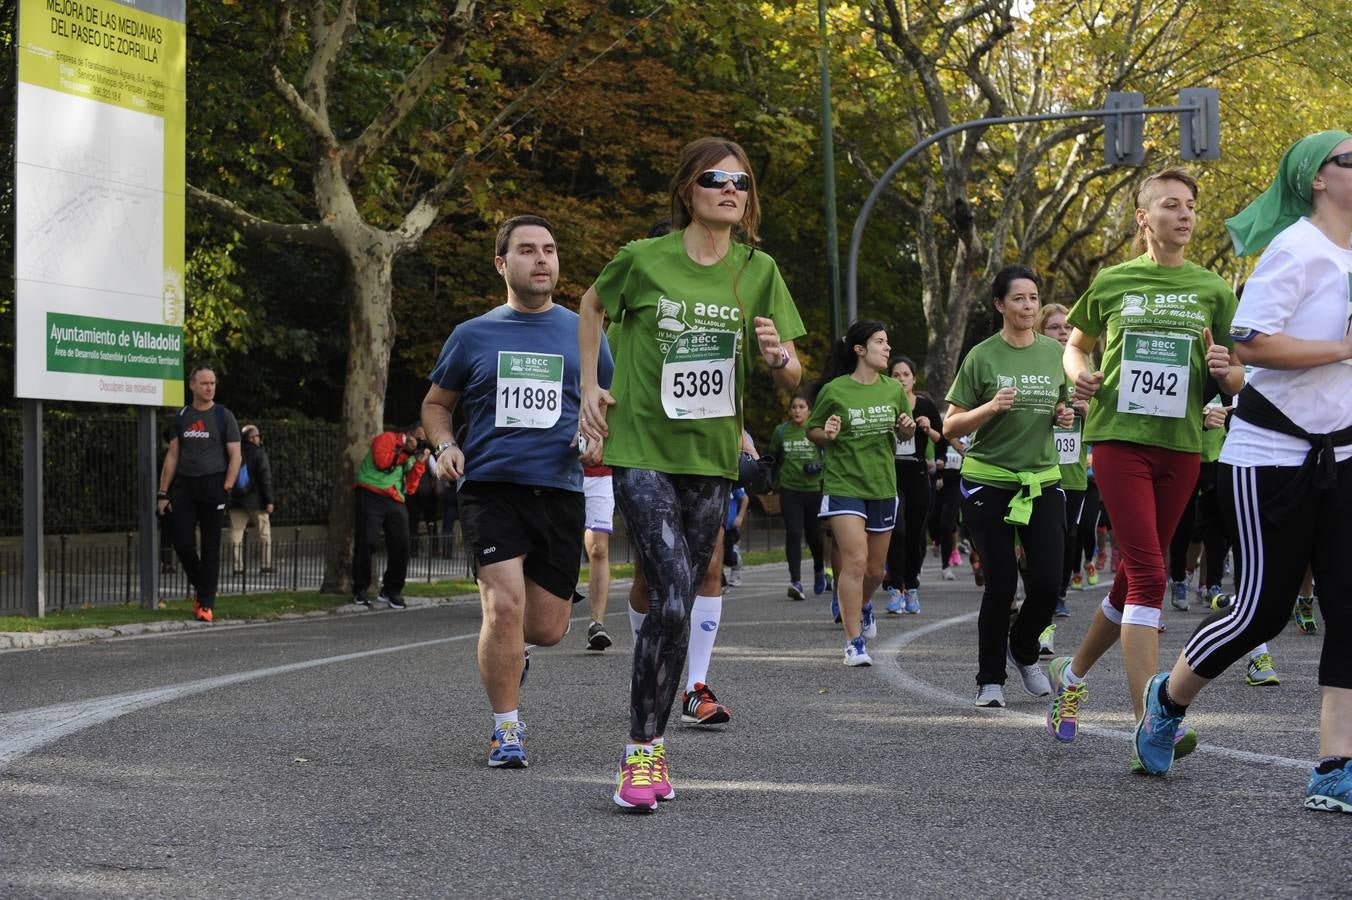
(79, 574)
(89, 471)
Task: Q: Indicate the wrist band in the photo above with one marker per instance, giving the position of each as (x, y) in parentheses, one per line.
(783, 359)
(162, 495)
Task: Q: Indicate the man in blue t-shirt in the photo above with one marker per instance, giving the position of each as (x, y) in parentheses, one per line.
(516, 369)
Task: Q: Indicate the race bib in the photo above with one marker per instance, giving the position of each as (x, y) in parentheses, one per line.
(952, 459)
(906, 447)
(698, 375)
(1067, 443)
(1155, 372)
(530, 389)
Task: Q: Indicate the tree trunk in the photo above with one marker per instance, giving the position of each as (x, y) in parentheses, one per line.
(370, 262)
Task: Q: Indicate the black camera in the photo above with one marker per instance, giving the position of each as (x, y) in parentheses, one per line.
(813, 468)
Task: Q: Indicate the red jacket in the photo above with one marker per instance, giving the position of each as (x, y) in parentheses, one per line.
(389, 469)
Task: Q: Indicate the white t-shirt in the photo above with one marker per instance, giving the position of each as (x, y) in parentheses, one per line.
(1301, 287)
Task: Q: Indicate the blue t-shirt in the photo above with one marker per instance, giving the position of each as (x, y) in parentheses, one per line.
(734, 503)
(518, 378)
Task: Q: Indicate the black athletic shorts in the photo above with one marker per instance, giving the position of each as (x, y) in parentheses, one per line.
(503, 521)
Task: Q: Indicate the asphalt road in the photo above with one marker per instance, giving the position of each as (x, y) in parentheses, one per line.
(344, 757)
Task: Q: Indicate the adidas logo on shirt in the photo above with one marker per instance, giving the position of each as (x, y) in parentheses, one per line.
(197, 429)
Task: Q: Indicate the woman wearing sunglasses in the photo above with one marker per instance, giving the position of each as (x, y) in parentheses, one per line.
(1165, 322)
(1285, 474)
(697, 309)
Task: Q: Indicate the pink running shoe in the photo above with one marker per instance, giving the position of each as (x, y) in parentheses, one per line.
(662, 788)
(954, 558)
(634, 784)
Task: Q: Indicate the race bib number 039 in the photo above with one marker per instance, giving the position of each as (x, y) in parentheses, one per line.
(1067, 444)
(1155, 371)
(698, 380)
(530, 389)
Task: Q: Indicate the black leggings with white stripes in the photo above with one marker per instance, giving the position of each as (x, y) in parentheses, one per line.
(673, 522)
(1276, 555)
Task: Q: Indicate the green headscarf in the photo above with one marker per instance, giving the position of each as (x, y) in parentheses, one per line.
(1288, 198)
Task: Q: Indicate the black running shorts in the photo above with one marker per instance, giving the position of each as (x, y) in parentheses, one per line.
(503, 521)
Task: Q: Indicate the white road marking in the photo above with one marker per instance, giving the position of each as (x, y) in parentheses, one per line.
(889, 657)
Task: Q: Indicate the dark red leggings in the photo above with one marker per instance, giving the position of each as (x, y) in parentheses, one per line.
(1145, 490)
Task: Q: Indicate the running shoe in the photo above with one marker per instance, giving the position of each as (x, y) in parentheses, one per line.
(1330, 791)
(868, 623)
(1206, 594)
(361, 599)
(202, 613)
(597, 638)
(1221, 601)
(1034, 679)
(978, 575)
(1101, 559)
(948, 575)
(796, 591)
(701, 707)
(1063, 718)
(1090, 574)
(819, 583)
(835, 606)
(393, 601)
(1077, 582)
(1303, 615)
(1260, 672)
(1178, 595)
(735, 576)
(1185, 741)
(1046, 640)
(634, 783)
(506, 751)
(662, 789)
(955, 558)
(990, 696)
(1062, 611)
(913, 600)
(895, 603)
(856, 654)
(1153, 742)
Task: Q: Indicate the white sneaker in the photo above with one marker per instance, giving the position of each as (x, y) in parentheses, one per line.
(868, 623)
(735, 576)
(1035, 680)
(948, 575)
(856, 654)
(1047, 640)
(990, 695)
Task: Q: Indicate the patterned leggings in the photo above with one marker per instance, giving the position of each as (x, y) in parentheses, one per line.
(673, 522)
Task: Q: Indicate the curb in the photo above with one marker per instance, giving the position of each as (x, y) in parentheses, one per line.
(32, 640)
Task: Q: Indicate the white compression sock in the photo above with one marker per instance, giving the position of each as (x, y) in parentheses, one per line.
(635, 620)
(704, 618)
(499, 718)
(1258, 651)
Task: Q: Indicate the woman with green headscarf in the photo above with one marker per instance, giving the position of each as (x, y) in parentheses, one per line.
(1285, 473)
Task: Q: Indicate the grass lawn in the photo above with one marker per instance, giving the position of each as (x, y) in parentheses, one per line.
(270, 606)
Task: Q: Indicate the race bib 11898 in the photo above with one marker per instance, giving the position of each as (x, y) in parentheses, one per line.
(530, 389)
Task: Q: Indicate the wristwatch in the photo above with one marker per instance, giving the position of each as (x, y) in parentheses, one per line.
(441, 448)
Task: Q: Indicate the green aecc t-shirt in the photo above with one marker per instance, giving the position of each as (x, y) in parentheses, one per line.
(859, 461)
(681, 363)
(1152, 317)
(1021, 438)
(793, 450)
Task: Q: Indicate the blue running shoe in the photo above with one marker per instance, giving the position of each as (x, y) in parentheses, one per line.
(1178, 598)
(835, 606)
(1331, 791)
(913, 600)
(1153, 743)
(505, 751)
(796, 591)
(1062, 611)
(819, 583)
(868, 624)
(894, 602)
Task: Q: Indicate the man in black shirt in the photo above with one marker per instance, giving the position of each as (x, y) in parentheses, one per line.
(195, 482)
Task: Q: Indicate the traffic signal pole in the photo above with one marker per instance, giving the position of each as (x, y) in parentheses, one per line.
(1199, 119)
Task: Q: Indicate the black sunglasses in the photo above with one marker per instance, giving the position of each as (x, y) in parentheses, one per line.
(1341, 160)
(714, 179)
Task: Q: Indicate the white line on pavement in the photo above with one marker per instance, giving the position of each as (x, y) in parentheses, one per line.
(891, 668)
(24, 731)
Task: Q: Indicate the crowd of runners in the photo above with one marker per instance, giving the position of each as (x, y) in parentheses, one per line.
(1159, 429)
